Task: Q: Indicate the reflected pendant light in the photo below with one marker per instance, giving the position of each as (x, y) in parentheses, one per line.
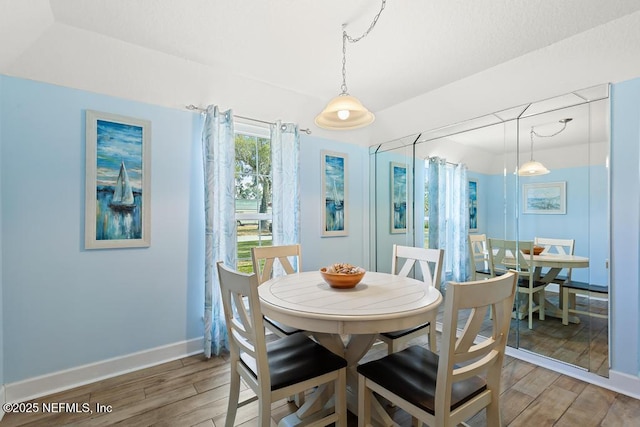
(346, 112)
(533, 168)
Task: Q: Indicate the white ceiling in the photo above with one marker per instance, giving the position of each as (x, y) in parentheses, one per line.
(286, 47)
(417, 45)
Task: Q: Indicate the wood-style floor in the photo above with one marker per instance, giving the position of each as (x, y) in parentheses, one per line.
(193, 392)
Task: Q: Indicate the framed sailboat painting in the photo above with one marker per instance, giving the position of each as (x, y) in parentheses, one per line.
(334, 194)
(398, 198)
(117, 185)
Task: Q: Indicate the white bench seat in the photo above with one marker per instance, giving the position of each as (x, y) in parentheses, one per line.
(569, 304)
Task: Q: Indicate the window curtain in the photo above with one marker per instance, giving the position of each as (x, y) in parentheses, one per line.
(218, 153)
(285, 164)
(449, 215)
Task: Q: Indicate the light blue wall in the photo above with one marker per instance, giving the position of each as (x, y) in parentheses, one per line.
(385, 239)
(2, 320)
(65, 306)
(625, 235)
(318, 251)
(79, 307)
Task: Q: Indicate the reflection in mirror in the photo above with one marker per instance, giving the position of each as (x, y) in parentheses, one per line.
(570, 203)
(393, 194)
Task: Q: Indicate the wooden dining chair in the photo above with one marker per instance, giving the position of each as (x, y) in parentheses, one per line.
(273, 371)
(449, 388)
(429, 264)
(270, 261)
(558, 247)
(506, 255)
(479, 256)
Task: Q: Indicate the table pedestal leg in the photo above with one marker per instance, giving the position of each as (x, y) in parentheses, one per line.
(551, 309)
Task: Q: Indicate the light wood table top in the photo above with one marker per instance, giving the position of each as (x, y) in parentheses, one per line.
(560, 261)
(381, 302)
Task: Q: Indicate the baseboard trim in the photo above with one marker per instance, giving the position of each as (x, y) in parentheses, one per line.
(617, 381)
(625, 383)
(64, 380)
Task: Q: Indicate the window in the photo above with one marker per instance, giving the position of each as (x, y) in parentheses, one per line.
(253, 191)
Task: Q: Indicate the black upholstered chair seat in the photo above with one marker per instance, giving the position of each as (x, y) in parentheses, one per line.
(284, 330)
(399, 334)
(411, 374)
(295, 359)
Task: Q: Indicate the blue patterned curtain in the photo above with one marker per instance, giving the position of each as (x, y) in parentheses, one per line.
(285, 163)
(449, 215)
(218, 153)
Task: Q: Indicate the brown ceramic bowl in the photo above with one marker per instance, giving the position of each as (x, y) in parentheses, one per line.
(537, 250)
(341, 280)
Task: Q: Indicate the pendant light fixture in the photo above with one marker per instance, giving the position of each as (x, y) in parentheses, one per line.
(533, 168)
(345, 111)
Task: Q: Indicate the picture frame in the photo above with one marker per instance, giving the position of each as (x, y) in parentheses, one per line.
(398, 173)
(548, 198)
(334, 191)
(473, 205)
(117, 181)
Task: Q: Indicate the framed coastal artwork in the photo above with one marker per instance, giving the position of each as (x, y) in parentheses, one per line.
(399, 192)
(544, 198)
(117, 183)
(334, 194)
(473, 205)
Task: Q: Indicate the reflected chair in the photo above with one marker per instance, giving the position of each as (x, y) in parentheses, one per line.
(449, 388)
(271, 261)
(506, 255)
(479, 256)
(276, 370)
(430, 263)
(558, 247)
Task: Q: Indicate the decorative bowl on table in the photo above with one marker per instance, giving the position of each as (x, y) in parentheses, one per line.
(342, 276)
(537, 250)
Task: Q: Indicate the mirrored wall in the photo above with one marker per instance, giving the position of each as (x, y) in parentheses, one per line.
(481, 189)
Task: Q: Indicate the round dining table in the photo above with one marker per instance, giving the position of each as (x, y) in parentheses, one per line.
(346, 321)
(546, 269)
(555, 263)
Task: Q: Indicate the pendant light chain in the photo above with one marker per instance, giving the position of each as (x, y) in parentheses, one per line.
(346, 37)
(533, 132)
(564, 125)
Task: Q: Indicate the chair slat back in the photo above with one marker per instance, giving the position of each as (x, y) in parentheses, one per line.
(428, 260)
(243, 316)
(508, 254)
(478, 253)
(289, 259)
(460, 358)
(556, 246)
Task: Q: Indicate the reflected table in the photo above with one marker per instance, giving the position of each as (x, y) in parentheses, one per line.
(555, 263)
(346, 321)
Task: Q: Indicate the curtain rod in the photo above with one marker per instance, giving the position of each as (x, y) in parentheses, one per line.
(446, 161)
(203, 110)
